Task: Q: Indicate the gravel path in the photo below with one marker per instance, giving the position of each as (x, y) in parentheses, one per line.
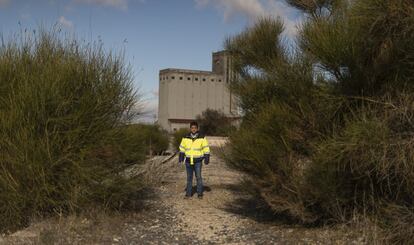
(206, 219)
(227, 215)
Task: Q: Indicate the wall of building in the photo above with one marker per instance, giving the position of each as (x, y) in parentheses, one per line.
(184, 94)
(176, 126)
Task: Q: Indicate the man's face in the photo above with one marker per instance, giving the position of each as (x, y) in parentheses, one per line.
(194, 129)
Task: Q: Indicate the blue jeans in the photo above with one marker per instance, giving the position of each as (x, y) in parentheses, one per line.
(190, 170)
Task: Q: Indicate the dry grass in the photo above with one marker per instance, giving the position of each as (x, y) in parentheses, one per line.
(92, 227)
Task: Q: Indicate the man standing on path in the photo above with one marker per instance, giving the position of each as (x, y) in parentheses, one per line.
(193, 149)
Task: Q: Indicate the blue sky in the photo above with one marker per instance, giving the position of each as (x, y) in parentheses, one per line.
(155, 34)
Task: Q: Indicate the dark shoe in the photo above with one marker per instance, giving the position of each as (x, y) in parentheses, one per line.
(200, 196)
(187, 197)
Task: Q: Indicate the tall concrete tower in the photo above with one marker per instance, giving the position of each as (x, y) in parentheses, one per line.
(184, 94)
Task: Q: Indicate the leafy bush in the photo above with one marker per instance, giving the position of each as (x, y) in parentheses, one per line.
(62, 104)
(133, 143)
(177, 136)
(214, 123)
(154, 139)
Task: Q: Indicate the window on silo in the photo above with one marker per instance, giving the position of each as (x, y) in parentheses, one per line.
(212, 79)
(172, 77)
(219, 80)
(181, 78)
(196, 79)
(204, 79)
(188, 78)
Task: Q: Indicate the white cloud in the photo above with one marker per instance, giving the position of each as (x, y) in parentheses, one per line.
(65, 22)
(121, 4)
(149, 111)
(155, 93)
(254, 9)
(251, 8)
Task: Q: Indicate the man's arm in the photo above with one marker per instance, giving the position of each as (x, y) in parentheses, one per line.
(206, 151)
(181, 154)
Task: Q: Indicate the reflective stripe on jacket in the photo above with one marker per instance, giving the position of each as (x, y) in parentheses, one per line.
(194, 149)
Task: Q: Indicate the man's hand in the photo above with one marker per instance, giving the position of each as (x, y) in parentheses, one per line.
(206, 159)
(181, 157)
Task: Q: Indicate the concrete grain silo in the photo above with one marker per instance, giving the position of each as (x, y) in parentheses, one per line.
(184, 94)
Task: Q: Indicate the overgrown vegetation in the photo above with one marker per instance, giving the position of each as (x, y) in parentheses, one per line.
(328, 125)
(62, 107)
(177, 137)
(214, 123)
(151, 137)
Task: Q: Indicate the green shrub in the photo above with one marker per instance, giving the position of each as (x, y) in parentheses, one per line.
(62, 104)
(267, 149)
(214, 123)
(177, 137)
(327, 125)
(154, 139)
(362, 44)
(368, 166)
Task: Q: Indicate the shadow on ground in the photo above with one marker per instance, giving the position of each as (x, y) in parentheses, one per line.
(253, 207)
(194, 190)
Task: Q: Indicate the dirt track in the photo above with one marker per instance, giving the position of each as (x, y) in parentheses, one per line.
(226, 215)
(207, 219)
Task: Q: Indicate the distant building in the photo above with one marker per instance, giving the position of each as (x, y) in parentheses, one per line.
(184, 94)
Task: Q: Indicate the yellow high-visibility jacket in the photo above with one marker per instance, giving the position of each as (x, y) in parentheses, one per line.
(194, 149)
